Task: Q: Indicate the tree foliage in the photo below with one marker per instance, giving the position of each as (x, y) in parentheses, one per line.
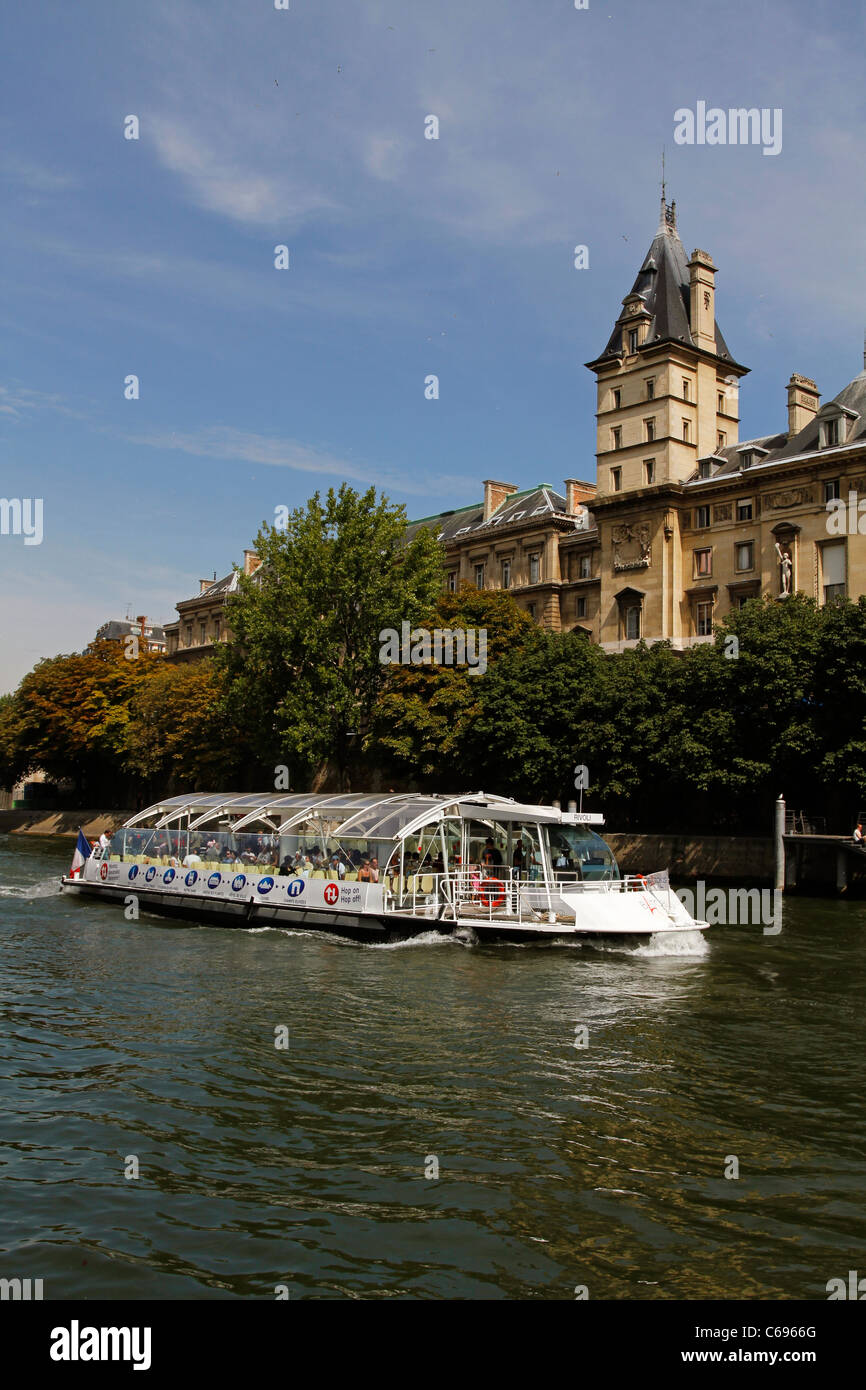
(304, 671)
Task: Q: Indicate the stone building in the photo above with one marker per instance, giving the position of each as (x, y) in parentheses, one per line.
(151, 637)
(201, 619)
(686, 522)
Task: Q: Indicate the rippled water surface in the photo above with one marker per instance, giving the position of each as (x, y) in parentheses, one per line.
(558, 1166)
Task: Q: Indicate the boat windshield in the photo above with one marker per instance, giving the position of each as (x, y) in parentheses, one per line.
(577, 852)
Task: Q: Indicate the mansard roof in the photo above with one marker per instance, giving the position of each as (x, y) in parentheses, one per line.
(530, 505)
(663, 284)
(778, 448)
(851, 400)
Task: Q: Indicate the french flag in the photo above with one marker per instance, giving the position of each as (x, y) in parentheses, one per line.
(81, 855)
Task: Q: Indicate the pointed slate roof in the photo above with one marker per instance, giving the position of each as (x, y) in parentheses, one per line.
(663, 284)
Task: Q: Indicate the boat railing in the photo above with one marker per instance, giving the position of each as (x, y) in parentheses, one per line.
(496, 892)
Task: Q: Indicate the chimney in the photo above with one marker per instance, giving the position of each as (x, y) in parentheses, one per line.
(204, 584)
(803, 398)
(577, 492)
(251, 562)
(702, 300)
(494, 495)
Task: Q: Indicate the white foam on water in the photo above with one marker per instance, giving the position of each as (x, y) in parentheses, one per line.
(675, 943)
(45, 888)
(424, 938)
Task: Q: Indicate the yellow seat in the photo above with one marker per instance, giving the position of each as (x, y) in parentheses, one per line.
(427, 883)
(352, 877)
(317, 873)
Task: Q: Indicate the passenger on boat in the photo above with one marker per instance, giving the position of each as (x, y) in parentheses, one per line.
(287, 867)
(189, 859)
(365, 873)
(338, 868)
(374, 870)
(490, 854)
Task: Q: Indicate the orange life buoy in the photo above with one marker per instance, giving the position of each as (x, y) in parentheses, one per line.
(492, 892)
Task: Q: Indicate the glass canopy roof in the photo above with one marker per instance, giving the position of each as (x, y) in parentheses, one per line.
(350, 815)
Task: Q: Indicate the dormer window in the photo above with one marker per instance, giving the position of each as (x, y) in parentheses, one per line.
(705, 468)
(831, 433)
(747, 459)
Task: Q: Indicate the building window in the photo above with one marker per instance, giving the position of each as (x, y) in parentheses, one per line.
(702, 517)
(704, 619)
(650, 467)
(651, 389)
(685, 431)
(833, 570)
(632, 340)
(703, 563)
(721, 440)
(744, 555)
(831, 433)
(616, 436)
(616, 479)
(534, 568)
(832, 490)
(743, 599)
(650, 430)
(704, 468)
(686, 389)
(506, 574)
(632, 623)
(479, 576)
(617, 399)
(744, 510)
(451, 582)
(581, 607)
(584, 567)
(721, 403)
(747, 459)
(202, 633)
(216, 629)
(530, 608)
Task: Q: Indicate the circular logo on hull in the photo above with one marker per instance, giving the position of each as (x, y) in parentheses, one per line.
(133, 873)
(168, 876)
(295, 887)
(332, 893)
(150, 875)
(215, 880)
(238, 882)
(103, 871)
(191, 878)
(265, 884)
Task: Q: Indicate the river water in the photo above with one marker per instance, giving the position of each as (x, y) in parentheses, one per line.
(559, 1167)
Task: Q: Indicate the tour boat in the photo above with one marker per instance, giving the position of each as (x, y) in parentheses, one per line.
(379, 868)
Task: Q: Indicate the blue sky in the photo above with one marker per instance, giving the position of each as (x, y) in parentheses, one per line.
(409, 256)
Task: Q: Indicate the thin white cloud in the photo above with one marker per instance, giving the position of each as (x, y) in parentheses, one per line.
(222, 182)
(244, 446)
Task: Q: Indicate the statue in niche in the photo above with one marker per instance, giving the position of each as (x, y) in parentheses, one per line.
(785, 571)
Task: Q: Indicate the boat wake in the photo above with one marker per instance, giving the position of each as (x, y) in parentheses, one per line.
(45, 888)
(686, 943)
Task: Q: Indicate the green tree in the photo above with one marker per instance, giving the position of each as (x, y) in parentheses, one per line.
(424, 713)
(304, 670)
(179, 737)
